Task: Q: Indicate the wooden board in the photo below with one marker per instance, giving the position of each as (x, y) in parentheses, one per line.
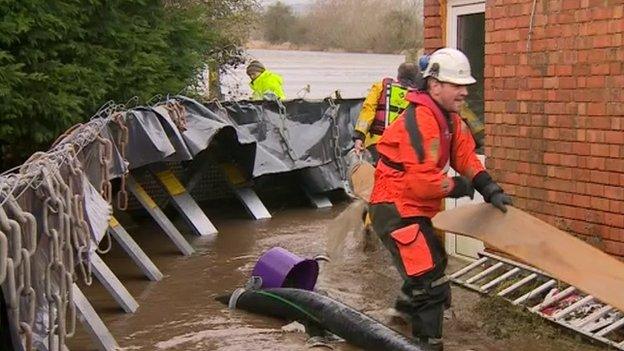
(541, 245)
(362, 178)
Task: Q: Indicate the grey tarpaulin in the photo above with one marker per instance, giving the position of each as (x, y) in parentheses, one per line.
(301, 135)
(147, 142)
(262, 137)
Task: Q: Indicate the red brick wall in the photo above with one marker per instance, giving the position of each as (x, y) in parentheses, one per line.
(554, 111)
(434, 23)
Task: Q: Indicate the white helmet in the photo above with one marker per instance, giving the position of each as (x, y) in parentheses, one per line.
(449, 65)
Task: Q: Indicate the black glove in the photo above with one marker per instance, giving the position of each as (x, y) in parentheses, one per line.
(492, 192)
(499, 200)
(461, 188)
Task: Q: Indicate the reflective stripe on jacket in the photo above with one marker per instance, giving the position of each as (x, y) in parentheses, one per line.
(417, 187)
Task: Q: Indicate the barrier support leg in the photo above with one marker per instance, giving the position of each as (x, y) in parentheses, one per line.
(157, 214)
(245, 193)
(113, 285)
(182, 200)
(134, 250)
(98, 331)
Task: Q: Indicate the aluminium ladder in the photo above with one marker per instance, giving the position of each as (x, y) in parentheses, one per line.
(544, 295)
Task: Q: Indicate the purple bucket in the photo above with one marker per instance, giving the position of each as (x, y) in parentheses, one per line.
(280, 268)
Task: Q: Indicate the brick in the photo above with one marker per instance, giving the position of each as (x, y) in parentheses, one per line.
(603, 40)
(614, 165)
(614, 220)
(552, 158)
(598, 122)
(600, 203)
(596, 136)
(600, 69)
(599, 150)
(612, 137)
(431, 10)
(614, 192)
(596, 82)
(433, 32)
(599, 177)
(581, 200)
(596, 109)
(595, 189)
(596, 163)
(614, 247)
(614, 151)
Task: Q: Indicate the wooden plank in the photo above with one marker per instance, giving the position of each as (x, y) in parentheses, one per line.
(362, 177)
(541, 245)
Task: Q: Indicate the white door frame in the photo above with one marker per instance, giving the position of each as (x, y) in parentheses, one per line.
(457, 245)
(456, 8)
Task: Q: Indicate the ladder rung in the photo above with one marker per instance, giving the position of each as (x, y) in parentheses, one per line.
(485, 272)
(534, 292)
(592, 317)
(508, 274)
(592, 328)
(518, 284)
(611, 327)
(464, 270)
(586, 315)
(512, 263)
(587, 299)
(549, 301)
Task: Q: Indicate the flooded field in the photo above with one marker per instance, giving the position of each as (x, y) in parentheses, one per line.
(325, 72)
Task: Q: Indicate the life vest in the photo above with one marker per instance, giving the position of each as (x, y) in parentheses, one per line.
(422, 98)
(418, 190)
(390, 105)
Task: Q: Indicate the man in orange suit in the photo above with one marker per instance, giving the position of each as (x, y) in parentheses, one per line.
(411, 183)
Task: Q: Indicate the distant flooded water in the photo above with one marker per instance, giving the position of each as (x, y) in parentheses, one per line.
(325, 72)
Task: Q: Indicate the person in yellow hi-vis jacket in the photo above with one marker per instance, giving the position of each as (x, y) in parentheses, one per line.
(384, 103)
(264, 83)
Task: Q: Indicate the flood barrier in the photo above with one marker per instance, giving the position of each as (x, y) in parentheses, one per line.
(57, 209)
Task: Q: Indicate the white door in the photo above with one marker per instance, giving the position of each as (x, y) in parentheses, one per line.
(465, 30)
(459, 245)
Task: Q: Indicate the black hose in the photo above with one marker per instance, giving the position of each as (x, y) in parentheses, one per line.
(319, 311)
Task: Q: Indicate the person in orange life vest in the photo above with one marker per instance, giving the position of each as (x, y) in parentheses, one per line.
(411, 182)
(383, 104)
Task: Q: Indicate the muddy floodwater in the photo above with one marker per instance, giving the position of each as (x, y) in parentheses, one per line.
(180, 312)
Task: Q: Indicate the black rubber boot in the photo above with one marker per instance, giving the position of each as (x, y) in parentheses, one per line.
(430, 344)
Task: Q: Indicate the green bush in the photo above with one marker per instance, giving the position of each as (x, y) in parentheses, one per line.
(61, 60)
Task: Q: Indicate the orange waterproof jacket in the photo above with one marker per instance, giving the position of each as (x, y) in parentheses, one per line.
(417, 186)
